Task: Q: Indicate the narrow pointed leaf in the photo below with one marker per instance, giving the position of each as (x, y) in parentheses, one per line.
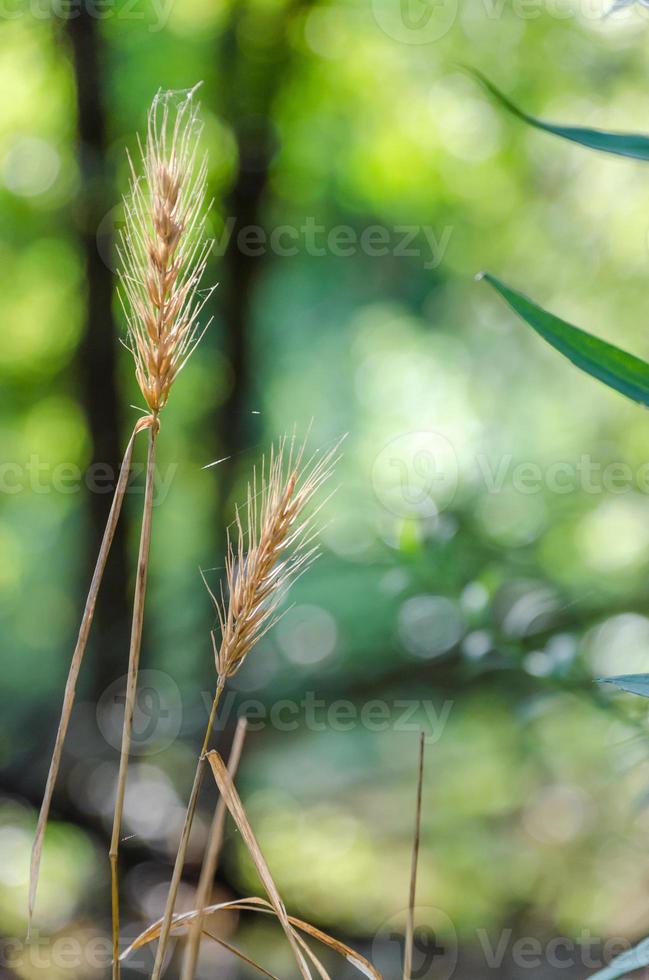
(627, 962)
(633, 683)
(618, 369)
(634, 145)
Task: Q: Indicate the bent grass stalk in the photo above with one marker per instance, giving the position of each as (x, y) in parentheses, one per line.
(273, 548)
(211, 858)
(263, 907)
(235, 806)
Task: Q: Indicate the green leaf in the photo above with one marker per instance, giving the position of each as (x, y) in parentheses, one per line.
(631, 959)
(635, 145)
(619, 370)
(633, 683)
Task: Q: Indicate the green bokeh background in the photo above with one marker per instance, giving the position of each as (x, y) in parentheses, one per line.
(454, 578)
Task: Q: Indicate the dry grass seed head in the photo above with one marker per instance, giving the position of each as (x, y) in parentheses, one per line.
(163, 249)
(272, 544)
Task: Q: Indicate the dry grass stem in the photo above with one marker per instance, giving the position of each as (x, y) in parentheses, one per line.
(274, 544)
(410, 925)
(235, 806)
(211, 857)
(163, 249)
(131, 687)
(75, 667)
(183, 843)
(242, 956)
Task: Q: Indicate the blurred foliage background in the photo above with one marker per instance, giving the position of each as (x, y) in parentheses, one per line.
(459, 590)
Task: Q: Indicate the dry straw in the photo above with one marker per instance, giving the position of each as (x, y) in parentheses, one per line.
(274, 542)
(163, 253)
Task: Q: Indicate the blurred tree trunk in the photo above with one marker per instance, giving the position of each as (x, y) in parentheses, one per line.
(96, 358)
(252, 73)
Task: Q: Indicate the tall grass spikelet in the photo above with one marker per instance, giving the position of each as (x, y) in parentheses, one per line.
(163, 252)
(163, 249)
(274, 542)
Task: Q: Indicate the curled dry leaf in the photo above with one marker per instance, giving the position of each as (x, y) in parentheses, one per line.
(261, 905)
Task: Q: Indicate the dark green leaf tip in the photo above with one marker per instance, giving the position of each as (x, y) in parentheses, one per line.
(633, 145)
(618, 369)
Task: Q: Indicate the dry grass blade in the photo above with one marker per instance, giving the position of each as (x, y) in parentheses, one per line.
(410, 925)
(75, 667)
(154, 931)
(210, 860)
(235, 806)
(318, 966)
(261, 905)
(355, 959)
(163, 249)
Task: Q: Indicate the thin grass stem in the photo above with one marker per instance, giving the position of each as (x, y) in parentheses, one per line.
(410, 925)
(75, 667)
(179, 863)
(211, 858)
(131, 686)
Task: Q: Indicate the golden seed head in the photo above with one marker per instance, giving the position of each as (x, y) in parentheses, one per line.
(273, 544)
(163, 250)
